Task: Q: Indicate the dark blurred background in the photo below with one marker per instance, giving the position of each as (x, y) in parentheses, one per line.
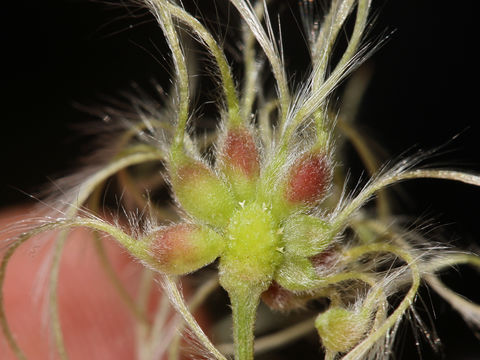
(62, 57)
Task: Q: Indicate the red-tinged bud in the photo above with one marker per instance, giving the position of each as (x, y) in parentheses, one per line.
(308, 179)
(239, 160)
(281, 299)
(325, 261)
(202, 193)
(183, 248)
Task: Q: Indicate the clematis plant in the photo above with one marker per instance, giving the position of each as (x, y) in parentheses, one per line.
(270, 205)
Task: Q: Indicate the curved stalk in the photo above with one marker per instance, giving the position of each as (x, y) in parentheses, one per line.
(251, 67)
(200, 296)
(141, 200)
(142, 329)
(178, 302)
(363, 8)
(322, 47)
(363, 347)
(264, 124)
(343, 216)
(53, 296)
(163, 14)
(119, 235)
(271, 52)
(469, 310)
(157, 341)
(3, 317)
(225, 72)
(85, 191)
(369, 160)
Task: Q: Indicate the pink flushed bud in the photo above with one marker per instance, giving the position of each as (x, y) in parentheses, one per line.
(308, 179)
(325, 261)
(240, 152)
(281, 299)
(239, 160)
(183, 248)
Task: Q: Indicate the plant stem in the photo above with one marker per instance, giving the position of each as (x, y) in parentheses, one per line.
(276, 340)
(201, 294)
(178, 302)
(244, 306)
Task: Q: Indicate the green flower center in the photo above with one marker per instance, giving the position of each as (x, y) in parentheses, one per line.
(254, 248)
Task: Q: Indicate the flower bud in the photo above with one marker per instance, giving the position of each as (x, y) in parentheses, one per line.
(202, 193)
(281, 299)
(305, 235)
(296, 274)
(308, 180)
(341, 329)
(239, 160)
(324, 261)
(183, 248)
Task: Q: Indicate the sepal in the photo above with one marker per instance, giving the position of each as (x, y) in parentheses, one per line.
(183, 248)
(297, 274)
(305, 235)
(202, 193)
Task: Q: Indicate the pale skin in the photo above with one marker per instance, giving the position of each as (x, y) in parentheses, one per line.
(95, 321)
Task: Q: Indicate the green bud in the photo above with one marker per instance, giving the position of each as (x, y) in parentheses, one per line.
(183, 248)
(297, 274)
(341, 329)
(305, 235)
(202, 193)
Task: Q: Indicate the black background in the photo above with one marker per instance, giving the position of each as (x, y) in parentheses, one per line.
(423, 92)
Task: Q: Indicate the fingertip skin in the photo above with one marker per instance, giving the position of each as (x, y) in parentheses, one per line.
(95, 322)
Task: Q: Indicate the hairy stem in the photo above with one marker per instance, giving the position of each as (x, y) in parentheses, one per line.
(87, 188)
(3, 317)
(390, 178)
(276, 340)
(270, 50)
(362, 348)
(178, 302)
(200, 296)
(142, 329)
(53, 295)
(244, 309)
(321, 49)
(225, 72)
(251, 67)
(163, 14)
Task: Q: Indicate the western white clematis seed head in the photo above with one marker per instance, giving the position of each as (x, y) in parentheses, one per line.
(268, 203)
